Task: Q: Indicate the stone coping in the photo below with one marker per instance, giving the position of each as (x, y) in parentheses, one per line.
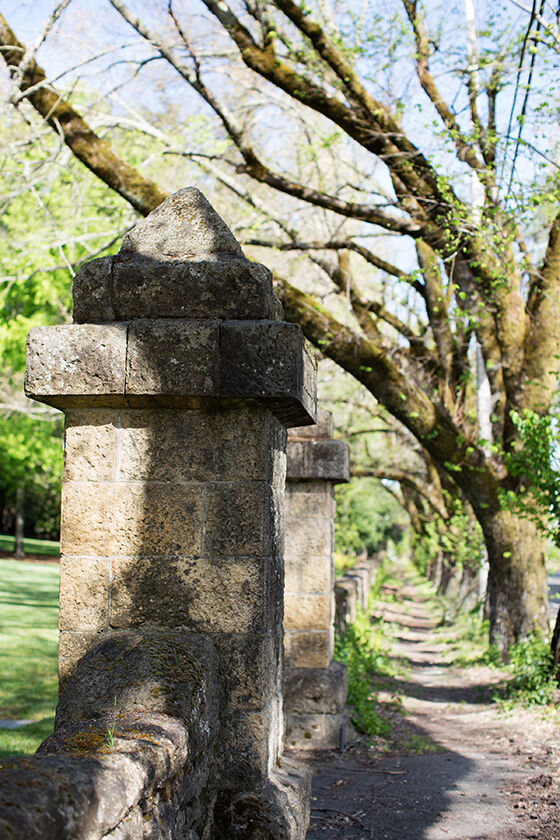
(174, 363)
(77, 785)
(318, 459)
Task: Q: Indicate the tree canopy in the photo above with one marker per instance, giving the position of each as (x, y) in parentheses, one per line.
(396, 162)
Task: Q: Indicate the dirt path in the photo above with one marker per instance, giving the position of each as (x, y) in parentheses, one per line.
(454, 767)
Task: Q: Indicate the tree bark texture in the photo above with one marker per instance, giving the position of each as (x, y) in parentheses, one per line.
(517, 580)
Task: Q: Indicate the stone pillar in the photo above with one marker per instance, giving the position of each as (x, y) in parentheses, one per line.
(314, 685)
(177, 380)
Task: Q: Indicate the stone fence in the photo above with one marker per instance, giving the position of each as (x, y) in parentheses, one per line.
(314, 685)
(352, 590)
(178, 380)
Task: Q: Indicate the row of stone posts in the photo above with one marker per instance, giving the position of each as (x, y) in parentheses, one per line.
(178, 380)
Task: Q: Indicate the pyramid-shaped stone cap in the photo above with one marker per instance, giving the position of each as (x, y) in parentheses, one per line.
(182, 261)
(184, 226)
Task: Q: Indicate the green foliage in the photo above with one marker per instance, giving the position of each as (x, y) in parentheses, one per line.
(111, 730)
(533, 682)
(366, 516)
(31, 457)
(458, 539)
(54, 215)
(362, 652)
(529, 662)
(534, 463)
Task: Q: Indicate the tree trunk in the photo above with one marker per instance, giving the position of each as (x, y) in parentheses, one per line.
(517, 583)
(20, 498)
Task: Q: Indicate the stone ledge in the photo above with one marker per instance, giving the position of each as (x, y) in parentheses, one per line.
(78, 786)
(158, 695)
(173, 362)
(328, 460)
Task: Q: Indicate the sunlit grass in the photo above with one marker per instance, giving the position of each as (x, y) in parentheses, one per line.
(28, 651)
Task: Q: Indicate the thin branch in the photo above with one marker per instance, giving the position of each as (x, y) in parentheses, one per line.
(29, 54)
(340, 245)
(465, 150)
(252, 165)
(524, 106)
(140, 192)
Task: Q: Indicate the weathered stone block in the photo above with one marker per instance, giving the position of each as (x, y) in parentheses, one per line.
(249, 668)
(325, 459)
(239, 519)
(346, 601)
(84, 584)
(316, 690)
(310, 536)
(269, 361)
(292, 574)
(71, 647)
(231, 288)
(362, 590)
(171, 363)
(306, 498)
(180, 445)
(307, 612)
(172, 358)
(312, 649)
(75, 365)
(90, 445)
(217, 595)
(315, 731)
(131, 519)
(91, 291)
(317, 574)
(248, 754)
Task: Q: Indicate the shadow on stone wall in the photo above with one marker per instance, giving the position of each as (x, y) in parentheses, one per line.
(171, 570)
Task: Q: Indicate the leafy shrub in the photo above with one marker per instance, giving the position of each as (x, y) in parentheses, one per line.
(533, 682)
(361, 660)
(363, 651)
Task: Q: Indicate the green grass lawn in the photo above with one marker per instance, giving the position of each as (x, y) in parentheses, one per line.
(28, 652)
(31, 546)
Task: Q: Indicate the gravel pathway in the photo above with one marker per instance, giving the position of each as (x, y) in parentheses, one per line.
(455, 767)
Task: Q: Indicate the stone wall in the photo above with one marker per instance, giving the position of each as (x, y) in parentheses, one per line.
(178, 380)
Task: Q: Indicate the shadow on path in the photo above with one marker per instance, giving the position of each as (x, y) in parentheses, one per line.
(441, 773)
